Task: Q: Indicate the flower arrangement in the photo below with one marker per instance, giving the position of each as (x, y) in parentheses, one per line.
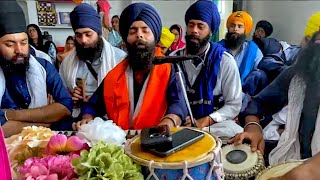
(106, 161)
(44, 155)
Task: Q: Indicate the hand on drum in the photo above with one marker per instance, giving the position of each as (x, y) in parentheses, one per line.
(85, 120)
(201, 123)
(254, 135)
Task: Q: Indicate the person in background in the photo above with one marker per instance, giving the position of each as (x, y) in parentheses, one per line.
(37, 41)
(313, 25)
(31, 90)
(213, 82)
(246, 53)
(114, 37)
(277, 56)
(137, 94)
(70, 44)
(177, 43)
(91, 59)
(103, 8)
(263, 30)
(166, 40)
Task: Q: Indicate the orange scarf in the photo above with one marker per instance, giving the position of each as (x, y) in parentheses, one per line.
(154, 105)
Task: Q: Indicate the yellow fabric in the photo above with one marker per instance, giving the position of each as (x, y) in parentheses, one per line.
(167, 37)
(241, 16)
(313, 25)
(193, 152)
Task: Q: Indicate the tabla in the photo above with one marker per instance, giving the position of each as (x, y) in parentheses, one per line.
(278, 170)
(201, 160)
(239, 162)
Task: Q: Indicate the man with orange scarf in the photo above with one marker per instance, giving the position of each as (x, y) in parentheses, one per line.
(137, 94)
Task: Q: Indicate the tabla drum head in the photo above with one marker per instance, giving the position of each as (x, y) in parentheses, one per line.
(239, 162)
(278, 170)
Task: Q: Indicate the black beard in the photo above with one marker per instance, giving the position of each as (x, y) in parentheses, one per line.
(193, 48)
(9, 67)
(141, 58)
(234, 40)
(308, 63)
(90, 54)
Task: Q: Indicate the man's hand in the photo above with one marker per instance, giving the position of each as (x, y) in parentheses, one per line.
(85, 120)
(77, 94)
(252, 133)
(201, 123)
(50, 99)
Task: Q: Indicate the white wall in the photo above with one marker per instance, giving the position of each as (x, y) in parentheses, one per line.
(289, 18)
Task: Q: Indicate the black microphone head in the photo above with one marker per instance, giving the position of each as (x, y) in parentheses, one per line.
(173, 59)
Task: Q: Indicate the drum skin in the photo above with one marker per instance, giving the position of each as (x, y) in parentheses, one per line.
(278, 170)
(196, 157)
(239, 162)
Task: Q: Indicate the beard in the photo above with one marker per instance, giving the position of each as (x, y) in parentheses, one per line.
(17, 64)
(308, 63)
(234, 40)
(193, 48)
(89, 53)
(140, 58)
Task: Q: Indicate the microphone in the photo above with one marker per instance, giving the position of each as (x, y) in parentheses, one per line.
(173, 59)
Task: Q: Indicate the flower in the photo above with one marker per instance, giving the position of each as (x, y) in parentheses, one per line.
(49, 168)
(60, 144)
(106, 161)
(29, 143)
(100, 130)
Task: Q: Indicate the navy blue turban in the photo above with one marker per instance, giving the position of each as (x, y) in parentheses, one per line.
(12, 19)
(85, 16)
(204, 10)
(140, 12)
(266, 26)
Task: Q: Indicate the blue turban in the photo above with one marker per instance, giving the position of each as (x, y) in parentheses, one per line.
(85, 16)
(140, 12)
(204, 10)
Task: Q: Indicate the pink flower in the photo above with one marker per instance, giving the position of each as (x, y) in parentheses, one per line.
(49, 168)
(60, 144)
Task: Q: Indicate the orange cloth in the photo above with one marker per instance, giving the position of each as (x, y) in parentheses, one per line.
(154, 105)
(243, 17)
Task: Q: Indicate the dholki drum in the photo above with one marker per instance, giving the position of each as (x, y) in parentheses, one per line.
(278, 170)
(199, 161)
(239, 162)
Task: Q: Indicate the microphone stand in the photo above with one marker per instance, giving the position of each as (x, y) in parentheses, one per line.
(178, 73)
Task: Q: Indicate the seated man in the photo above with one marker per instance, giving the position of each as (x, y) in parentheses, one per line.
(278, 56)
(213, 83)
(92, 58)
(246, 53)
(136, 94)
(26, 81)
(263, 30)
(298, 88)
(166, 40)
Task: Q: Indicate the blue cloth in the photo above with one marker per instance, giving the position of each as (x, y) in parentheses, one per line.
(204, 10)
(249, 61)
(140, 12)
(200, 94)
(114, 38)
(85, 16)
(176, 103)
(17, 95)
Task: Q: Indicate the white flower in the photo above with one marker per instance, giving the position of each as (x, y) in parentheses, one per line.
(100, 130)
